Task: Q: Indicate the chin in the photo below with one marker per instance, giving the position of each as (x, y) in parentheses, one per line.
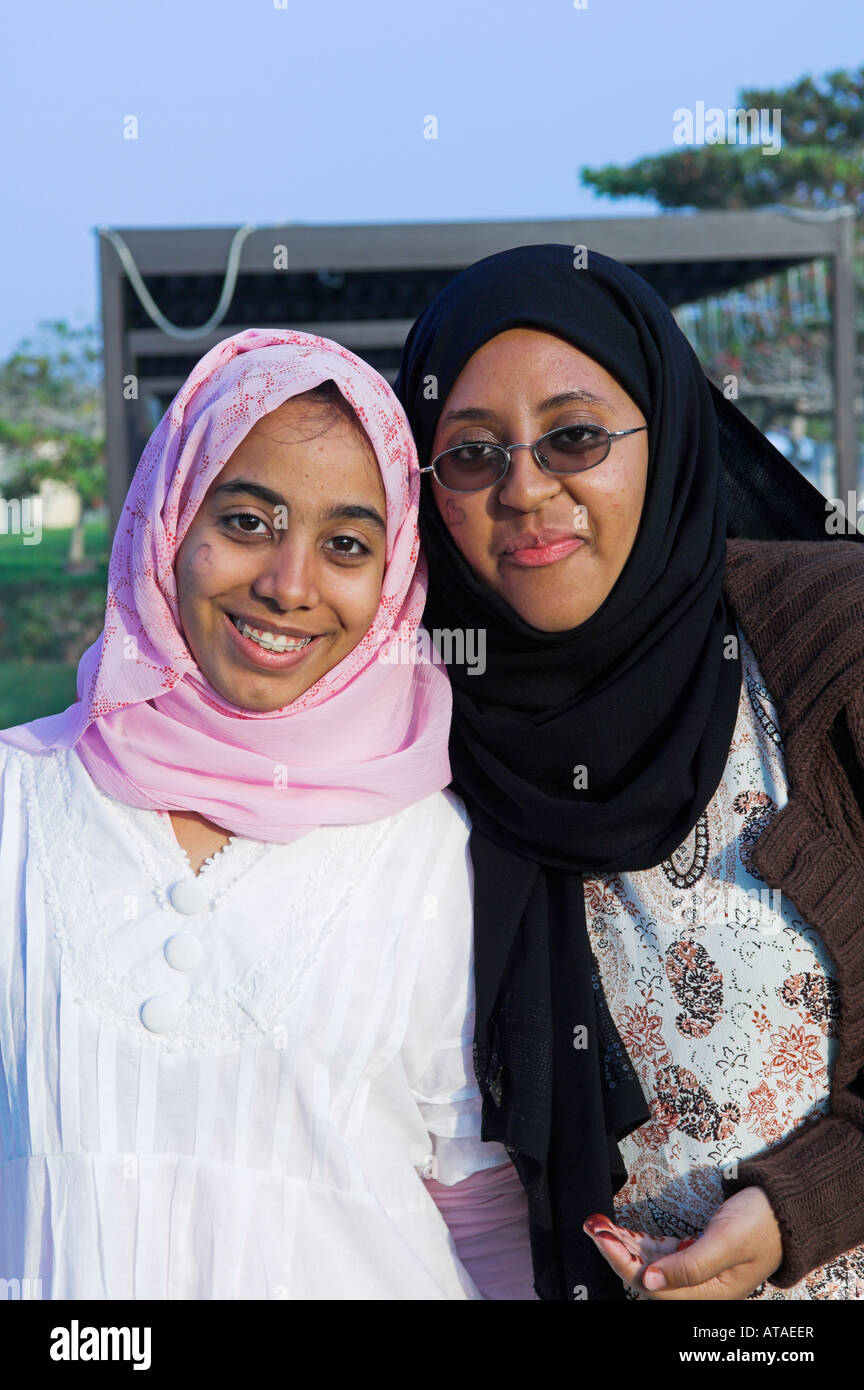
(245, 694)
(551, 624)
(550, 618)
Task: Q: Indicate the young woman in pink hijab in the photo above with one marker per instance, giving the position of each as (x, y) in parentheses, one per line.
(235, 926)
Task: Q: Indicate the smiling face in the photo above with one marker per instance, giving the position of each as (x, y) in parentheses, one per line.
(516, 387)
(290, 538)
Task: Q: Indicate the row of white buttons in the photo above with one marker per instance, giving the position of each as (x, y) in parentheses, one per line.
(183, 951)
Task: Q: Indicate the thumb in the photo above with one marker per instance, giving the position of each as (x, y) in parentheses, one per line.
(703, 1260)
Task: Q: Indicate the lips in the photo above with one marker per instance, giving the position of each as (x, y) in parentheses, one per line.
(263, 625)
(276, 657)
(535, 540)
(534, 550)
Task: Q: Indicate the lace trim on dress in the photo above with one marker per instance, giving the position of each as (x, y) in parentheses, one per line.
(164, 860)
(164, 818)
(264, 991)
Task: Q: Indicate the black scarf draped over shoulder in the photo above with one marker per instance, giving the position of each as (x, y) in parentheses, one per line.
(644, 693)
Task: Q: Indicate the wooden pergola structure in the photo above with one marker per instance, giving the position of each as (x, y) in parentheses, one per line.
(364, 286)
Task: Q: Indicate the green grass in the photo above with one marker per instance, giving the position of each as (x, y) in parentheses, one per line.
(30, 689)
(45, 561)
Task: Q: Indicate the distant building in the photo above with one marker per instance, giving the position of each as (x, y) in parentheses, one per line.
(365, 285)
(60, 504)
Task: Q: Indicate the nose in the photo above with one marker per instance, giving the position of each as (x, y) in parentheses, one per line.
(527, 486)
(288, 575)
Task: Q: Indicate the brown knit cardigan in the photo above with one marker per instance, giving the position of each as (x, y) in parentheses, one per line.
(801, 607)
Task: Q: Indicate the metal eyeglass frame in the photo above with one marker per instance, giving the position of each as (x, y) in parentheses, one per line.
(508, 449)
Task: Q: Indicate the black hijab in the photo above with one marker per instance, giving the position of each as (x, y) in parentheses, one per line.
(644, 693)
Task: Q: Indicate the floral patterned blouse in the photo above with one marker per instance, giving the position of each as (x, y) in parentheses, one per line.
(725, 1000)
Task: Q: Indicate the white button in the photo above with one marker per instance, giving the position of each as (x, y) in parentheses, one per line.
(189, 896)
(161, 1013)
(183, 951)
(430, 1167)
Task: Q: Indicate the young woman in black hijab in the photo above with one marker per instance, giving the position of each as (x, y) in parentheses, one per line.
(600, 728)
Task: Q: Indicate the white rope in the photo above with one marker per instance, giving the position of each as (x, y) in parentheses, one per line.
(151, 307)
(810, 214)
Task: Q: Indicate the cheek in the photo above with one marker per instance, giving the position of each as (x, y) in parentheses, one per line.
(203, 568)
(630, 501)
(191, 557)
(197, 579)
(203, 555)
(199, 564)
(466, 519)
(616, 505)
(355, 599)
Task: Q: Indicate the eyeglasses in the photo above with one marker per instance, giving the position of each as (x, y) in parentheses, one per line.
(476, 464)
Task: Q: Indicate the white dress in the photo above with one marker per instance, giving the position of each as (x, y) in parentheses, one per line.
(230, 1086)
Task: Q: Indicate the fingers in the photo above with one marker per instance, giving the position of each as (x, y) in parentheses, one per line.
(739, 1248)
(626, 1251)
(625, 1264)
(729, 1242)
(705, 1259)
(635, 1274)
(643, 1246)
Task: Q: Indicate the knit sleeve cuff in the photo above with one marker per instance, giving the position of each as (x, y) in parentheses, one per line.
(814, 1181)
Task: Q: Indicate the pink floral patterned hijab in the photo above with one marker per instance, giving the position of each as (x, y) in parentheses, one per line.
(368, 739)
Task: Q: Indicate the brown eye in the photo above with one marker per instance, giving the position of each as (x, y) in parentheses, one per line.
(352, 540)
(473, 452)
(577, 439)
(243, 516)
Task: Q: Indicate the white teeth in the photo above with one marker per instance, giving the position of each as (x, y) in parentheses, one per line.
(268, 641)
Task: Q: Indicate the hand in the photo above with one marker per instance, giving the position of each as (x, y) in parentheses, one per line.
(738, 1250)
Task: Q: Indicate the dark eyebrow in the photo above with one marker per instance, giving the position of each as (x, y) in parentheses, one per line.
(340, 511)
(580, 397)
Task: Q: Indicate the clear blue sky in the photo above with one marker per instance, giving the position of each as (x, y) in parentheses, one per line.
(315, 112)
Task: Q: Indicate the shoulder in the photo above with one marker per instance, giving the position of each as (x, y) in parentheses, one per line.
(14, 758)
(807, 573)
(27, 779)
(427, 848)
(441, 814)
(14, 766)
(795, 591)
(435, 829)
(801, 606)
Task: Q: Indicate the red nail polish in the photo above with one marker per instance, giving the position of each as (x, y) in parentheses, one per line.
(687, 1242)
(595, 1223)
(597, 1218)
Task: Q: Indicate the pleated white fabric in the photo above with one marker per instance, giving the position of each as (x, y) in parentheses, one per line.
(230, 1086)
